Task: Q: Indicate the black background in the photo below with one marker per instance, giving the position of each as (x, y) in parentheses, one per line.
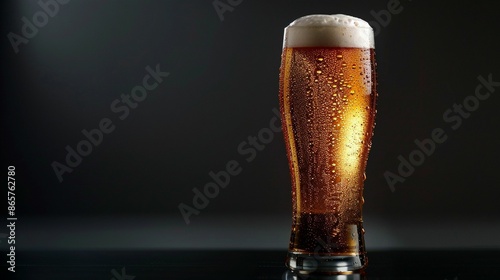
(222, 87)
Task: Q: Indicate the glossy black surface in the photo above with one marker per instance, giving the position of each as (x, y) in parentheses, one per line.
(138, 265)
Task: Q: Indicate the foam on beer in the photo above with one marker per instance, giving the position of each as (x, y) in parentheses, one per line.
(329, 31)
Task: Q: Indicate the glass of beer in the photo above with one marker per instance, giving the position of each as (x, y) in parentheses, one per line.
(327, 99)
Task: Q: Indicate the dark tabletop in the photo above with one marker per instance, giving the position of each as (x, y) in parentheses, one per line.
(243, 264)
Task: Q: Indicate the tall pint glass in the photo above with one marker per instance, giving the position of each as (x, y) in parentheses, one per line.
(327, 99)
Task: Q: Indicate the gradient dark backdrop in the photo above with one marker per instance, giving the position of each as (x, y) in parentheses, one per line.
(222, 87)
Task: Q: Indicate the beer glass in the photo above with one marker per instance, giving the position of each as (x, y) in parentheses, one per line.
(327, 99)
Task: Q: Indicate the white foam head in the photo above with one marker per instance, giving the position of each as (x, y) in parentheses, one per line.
(329, 31)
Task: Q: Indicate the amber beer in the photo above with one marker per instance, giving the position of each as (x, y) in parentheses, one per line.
(327, 98)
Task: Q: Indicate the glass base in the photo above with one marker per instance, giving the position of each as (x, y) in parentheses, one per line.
(325, 264)
(293, 275)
